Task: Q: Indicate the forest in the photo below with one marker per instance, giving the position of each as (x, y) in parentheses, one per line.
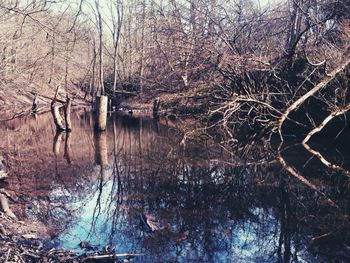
(244, 101)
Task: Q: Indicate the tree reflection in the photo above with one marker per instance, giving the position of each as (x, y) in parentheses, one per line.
(209, 204)
(210, 207)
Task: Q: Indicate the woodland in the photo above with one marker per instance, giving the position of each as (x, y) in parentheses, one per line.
(240, 63)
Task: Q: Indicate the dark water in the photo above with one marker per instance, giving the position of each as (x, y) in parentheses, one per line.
(208, 203)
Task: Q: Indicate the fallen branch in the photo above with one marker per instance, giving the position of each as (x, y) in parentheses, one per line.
(325, 121)
(112, 256)
(311, 92)
(18, 114)
(50, 98)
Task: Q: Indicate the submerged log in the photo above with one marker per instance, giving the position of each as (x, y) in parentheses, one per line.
(101, 113)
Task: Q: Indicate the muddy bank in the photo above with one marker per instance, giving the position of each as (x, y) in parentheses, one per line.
(20, 239)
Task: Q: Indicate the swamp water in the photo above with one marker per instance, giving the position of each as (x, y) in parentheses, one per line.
(140, 188)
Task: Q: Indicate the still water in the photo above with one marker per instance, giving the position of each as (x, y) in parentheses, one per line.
(143, 187)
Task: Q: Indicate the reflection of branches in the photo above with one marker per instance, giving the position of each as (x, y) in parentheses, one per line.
(116, 175)
(325, 161)
(97, 209)
(67, 148)
(101, 159)
(285, 234)
(302, 179)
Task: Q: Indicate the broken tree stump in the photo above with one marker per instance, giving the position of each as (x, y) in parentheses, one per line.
(56, 113)
(57, 117)
(156, 105)
(35, 104)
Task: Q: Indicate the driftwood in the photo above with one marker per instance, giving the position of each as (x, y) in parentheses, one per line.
(56, 113)
(125, 92)
(317, 130)
(319, 86)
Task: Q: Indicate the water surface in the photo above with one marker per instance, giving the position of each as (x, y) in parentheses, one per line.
(208, 203)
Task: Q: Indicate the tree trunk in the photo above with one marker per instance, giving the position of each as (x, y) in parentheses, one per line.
(100, 50)
(56, 114)
(67, 113)
(156, 105)
(101, 113)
